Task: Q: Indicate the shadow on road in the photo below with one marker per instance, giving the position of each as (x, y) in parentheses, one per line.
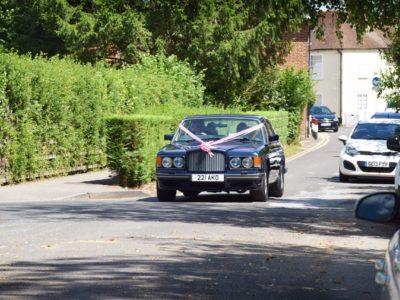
(387, 183)
(332, 217)
(199, 270)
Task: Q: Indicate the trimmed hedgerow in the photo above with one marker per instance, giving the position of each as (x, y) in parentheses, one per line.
(132, 144)
(52, 110)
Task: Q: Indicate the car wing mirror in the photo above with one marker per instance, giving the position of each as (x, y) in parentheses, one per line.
(343, 139)
(274, 137)
(378, 207)
(393, 143)
(168, 137)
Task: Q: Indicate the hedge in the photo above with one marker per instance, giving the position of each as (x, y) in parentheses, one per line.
(133, 141)
(52, 111)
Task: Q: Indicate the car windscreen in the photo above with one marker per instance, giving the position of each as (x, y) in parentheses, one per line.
(323, 110)
(374, 131)
(216, 128)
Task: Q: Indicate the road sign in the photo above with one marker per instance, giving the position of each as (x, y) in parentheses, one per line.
(375, 81)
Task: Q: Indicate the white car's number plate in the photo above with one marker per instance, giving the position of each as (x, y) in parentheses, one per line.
(377, 164)
(325, 124)
(208, 177)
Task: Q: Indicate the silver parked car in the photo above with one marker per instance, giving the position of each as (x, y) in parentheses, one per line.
(384, 208)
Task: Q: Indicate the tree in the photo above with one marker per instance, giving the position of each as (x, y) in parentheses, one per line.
(389, 85)
(29, 26)
(232, 41)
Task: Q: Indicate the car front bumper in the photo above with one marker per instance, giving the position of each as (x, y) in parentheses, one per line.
(329, 125)
(356, 166)
(232, 182)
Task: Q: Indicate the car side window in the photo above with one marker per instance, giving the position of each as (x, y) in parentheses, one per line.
(269, 129)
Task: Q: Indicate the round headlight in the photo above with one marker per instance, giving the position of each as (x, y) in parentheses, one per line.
(247, 162)
(178, 162)
(235, 162)
(167, 162)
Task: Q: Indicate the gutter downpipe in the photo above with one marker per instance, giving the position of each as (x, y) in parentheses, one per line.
(341, 87)
(308, 129)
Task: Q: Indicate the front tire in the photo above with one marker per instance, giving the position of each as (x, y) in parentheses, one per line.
(278, 187)
(261, 194)
(343, 178)
(166, 195)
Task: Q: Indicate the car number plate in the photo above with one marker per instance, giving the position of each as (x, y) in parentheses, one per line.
(377, 164)
(208, 177)
(325, 124)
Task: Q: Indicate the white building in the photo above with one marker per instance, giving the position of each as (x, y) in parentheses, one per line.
(345, 72)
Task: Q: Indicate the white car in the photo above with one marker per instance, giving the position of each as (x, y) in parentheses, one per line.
(365, 153)
(393, 143)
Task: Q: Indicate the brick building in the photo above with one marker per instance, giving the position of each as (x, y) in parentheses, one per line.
(299, 59)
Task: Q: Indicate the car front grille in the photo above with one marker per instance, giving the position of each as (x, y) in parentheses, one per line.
(200, 161)
(376, 169)
(389, 153)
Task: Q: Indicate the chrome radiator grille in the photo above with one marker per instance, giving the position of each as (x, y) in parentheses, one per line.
(199, 161)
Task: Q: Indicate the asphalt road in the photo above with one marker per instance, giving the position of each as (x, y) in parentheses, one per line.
(305, 245)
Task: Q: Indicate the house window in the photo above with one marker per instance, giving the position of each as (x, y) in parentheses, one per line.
(316, 67)
(319, 100)
(362, 101)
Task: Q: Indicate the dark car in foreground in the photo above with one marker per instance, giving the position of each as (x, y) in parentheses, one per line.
(327, 120)
(386, 115)
(384, 207)
(221, 153)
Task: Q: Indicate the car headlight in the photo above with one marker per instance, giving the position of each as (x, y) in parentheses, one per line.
(247, 162)
(167, 162)
(351, 150)
(335, 119)
(235, 162)
(179, 162)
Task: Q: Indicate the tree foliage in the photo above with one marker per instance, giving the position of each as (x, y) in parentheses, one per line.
(389, 85)
(232, 41)
(277, 89)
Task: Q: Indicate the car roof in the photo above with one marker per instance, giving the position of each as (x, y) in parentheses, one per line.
(319, 106)
(386, 114)
(233, 116)
(380, 121)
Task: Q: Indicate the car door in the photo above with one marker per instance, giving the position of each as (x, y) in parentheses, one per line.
(275, 153)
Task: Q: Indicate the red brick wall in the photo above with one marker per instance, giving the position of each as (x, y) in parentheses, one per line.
(298, 58)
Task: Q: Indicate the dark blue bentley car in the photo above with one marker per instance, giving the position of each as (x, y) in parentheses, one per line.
(221, 153)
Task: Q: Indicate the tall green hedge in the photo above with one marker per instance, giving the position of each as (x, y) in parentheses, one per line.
(132, 144)
(51, 111)
(133, 141)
